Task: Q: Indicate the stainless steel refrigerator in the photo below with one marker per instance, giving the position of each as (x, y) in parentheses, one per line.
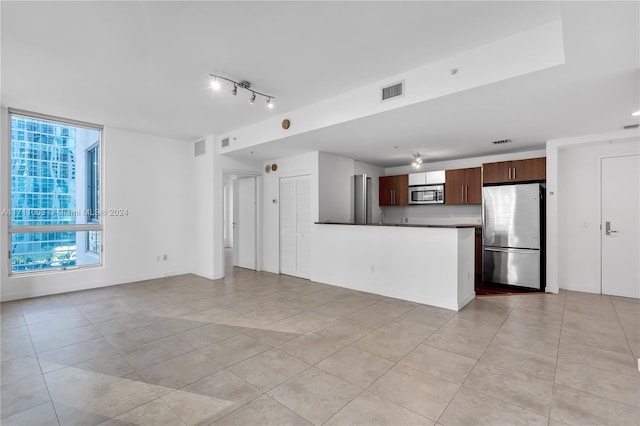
(513, 235)
(362, 191)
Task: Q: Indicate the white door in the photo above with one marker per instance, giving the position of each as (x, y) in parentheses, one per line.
(244, 223)
(621, 226)
(295, 226)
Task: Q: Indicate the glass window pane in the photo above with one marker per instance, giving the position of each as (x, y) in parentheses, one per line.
(50, 165)
(54, 250)
(55, 180)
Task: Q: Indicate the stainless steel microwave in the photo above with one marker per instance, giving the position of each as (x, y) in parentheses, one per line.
(427, 194)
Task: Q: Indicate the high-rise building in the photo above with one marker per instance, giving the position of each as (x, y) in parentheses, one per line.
(44, 190)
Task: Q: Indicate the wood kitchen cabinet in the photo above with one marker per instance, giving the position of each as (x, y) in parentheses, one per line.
(463, 186)
(533, 169)
(393, 190)
(478, 254)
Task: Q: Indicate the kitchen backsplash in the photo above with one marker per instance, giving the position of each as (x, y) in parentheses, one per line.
(433, 214)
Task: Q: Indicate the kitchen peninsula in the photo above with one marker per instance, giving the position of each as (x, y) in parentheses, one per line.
(430, 264)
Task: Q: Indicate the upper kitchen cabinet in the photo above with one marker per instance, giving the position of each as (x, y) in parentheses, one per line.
(533, 169)
(393, 190)
(463, 186)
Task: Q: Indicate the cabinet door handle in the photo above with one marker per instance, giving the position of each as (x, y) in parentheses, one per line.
(509, 173)
(462, 193)
(514, 173)
(466, 193)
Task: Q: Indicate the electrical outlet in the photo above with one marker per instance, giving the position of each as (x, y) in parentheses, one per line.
(165, 257)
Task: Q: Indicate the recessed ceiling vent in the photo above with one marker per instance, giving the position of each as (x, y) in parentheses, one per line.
(392, 91)
(631, 126)
(502, 141)
(225, 142)
(199, 148)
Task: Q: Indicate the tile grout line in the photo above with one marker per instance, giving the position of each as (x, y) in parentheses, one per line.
(633, 355)
(555, 370)
(476, 364)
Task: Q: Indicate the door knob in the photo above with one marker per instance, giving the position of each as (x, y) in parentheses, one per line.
(607, 229)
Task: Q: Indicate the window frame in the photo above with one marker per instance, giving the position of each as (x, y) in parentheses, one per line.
(92, 224)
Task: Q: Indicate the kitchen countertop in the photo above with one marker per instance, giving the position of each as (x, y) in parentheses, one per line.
(404, 225)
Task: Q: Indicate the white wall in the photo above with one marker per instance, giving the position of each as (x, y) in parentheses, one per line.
(201, 213)
(391, 261)
(297, 165)
(438, 214)
(567, 239)
(578, 192)
(150, 177)
(335, 187)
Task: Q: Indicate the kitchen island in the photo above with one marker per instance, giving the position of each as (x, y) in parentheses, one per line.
(430, 264)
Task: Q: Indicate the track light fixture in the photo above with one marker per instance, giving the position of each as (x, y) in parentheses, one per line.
(216, 81)
(417, 160)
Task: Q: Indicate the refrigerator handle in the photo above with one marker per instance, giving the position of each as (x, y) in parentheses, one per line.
(511, 250)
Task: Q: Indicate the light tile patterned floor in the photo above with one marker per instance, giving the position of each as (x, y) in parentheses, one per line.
(259, 349)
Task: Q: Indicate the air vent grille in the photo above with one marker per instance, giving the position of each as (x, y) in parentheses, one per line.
(501, 141)
(631, 126)
(392, 91)
(199, 148)
(225, 142)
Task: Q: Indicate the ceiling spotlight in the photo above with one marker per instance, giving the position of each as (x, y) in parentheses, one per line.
(417, 160)
(637, 113)
(216, 81)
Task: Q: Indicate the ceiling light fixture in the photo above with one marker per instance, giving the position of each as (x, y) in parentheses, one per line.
(243, 84)
(637, 113)
(417, 160)
(215, 84)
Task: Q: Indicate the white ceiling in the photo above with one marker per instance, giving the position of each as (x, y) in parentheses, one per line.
(144, 66)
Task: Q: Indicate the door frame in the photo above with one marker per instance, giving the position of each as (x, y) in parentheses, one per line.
(259, 211)
(600, 192)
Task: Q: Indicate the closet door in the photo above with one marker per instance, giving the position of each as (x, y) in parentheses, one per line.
(295, 226)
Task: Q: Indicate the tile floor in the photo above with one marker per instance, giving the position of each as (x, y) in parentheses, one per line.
(262, 349)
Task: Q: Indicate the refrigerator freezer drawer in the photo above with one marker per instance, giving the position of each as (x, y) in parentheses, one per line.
(519, 267)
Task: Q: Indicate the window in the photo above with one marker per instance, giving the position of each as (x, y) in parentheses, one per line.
(55, 193)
